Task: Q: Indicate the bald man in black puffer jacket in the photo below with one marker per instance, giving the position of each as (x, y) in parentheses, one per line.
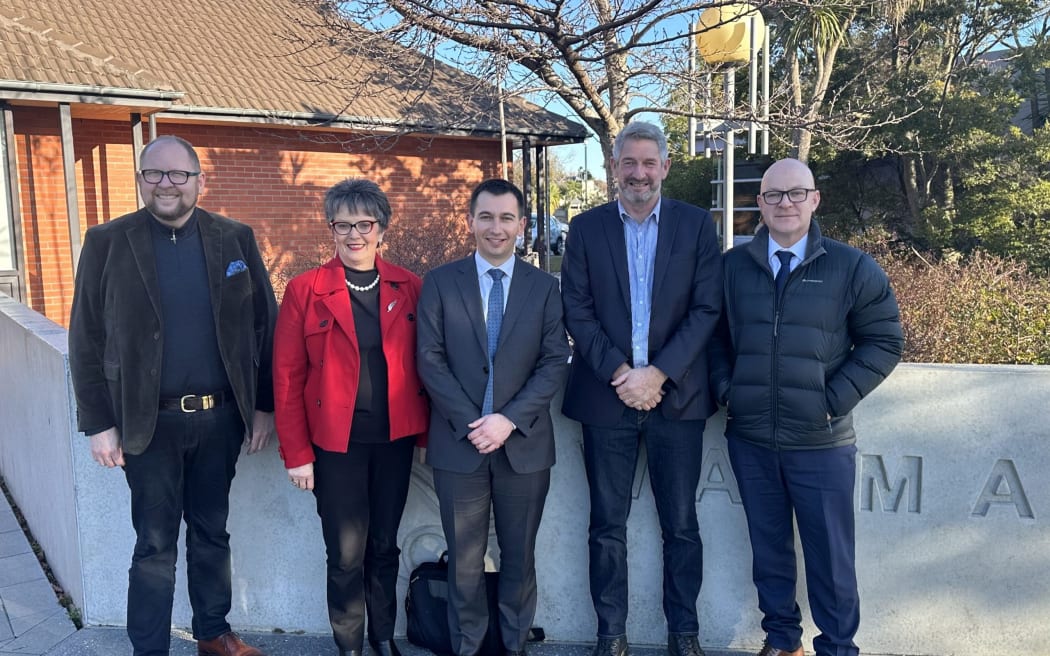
(810, 326)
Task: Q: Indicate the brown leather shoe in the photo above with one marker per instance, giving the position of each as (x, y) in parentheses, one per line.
(769, 650)
(228, 644)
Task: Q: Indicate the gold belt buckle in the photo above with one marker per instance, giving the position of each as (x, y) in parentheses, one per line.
(207, 402)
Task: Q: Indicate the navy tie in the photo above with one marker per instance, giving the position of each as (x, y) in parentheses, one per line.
(493, 323)
(781, 280)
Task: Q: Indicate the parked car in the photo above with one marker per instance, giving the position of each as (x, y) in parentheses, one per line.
(559, 230)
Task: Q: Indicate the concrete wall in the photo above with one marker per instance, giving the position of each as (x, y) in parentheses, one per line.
(36, 431)
(952, 506)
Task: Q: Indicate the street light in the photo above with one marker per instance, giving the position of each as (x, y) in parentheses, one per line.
(724, 33)
(728, 36)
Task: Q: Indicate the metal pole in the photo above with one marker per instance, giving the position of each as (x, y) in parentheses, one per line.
(526, 188)
(752, 101)
(727, 157)
(765, 93)
(692, 98)
(709, 80)
(586, 176)
(502, 129)
(541, 208)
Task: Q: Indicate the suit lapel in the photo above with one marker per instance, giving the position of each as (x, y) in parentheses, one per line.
(521, 284)
(665, 236)
(470, 291)
(617, 250)
(211, 238)
(142, 249)
(330, 285)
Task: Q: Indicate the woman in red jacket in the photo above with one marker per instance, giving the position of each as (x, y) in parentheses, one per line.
(349, 407)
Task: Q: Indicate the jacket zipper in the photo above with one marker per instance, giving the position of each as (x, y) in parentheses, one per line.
(774, 397)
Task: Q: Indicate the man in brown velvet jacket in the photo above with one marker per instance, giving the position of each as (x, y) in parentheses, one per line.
(170, 339)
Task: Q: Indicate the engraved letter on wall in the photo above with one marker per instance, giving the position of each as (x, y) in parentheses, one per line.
(717, 476)
(907, 478)
(1003, 487)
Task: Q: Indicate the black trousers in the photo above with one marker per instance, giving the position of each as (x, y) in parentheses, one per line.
(360, 496)
(516, 502)
(184, 474)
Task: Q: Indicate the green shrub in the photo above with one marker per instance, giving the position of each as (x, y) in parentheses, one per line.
(982, 309)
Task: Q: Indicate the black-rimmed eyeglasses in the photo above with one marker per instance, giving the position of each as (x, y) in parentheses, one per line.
(343, 227)
(154, 176)
(794, 195)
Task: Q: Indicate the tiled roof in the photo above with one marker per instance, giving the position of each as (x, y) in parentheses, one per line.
(247, 57)
(35, 52)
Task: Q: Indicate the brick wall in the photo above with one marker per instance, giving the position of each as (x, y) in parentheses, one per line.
(272, 179)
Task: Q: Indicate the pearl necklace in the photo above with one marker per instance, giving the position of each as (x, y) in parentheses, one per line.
(358, 288)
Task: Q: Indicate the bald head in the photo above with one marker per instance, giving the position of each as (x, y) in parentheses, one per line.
(785, 168)
(789, 217)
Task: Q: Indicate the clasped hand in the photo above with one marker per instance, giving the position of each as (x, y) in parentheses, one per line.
(489, 432)
(639, 388)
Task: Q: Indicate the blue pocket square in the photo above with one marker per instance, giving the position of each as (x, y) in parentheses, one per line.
(236, 267)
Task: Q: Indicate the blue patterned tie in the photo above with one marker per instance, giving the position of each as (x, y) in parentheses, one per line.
(781, 280)
(492, 324)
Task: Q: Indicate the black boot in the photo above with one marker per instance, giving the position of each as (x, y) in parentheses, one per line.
(384, 647)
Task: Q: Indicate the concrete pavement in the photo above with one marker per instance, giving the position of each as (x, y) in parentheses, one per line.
(33, 623)
(31, 619)
(114, 642)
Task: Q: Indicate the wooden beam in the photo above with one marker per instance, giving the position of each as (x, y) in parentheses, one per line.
(69, 172)
(136, 147)
(10, 162)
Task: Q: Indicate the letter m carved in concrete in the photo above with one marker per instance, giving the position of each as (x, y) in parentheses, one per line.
(907, 478)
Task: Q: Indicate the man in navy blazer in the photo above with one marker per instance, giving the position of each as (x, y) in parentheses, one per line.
(641, 287)
(492, 354)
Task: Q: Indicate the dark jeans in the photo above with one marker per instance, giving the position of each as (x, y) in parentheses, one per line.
(674, 450)
(515, 501)
(360, 496)
(815, 487)
(184, 474)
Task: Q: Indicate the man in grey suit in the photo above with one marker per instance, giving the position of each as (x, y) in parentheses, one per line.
(492, 354)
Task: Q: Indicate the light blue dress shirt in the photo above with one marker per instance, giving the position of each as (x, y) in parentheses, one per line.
(641, 257)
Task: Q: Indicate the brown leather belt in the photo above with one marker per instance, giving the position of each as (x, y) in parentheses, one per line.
(194, 403)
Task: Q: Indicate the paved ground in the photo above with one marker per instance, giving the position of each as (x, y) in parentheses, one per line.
(113, 642)
(33, 623)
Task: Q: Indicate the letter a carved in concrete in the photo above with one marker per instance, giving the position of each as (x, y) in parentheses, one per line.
(1003, 486)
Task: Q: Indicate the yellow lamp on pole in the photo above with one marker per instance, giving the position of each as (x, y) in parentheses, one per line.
(730, 36)
(724, 33)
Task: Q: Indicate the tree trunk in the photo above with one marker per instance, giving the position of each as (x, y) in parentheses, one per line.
(948, 193)
(796, 104)
(606, 141)
(801, 149)
(910, 182)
